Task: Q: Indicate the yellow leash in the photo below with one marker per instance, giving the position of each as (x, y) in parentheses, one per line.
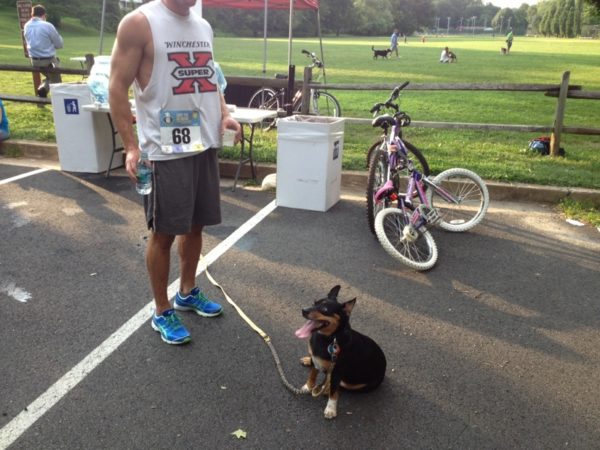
(256, 328)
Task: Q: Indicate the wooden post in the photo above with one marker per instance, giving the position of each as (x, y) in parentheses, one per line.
(306, 90)
(560, 115)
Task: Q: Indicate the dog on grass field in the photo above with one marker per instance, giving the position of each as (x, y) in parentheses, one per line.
(383, 53)
(349, 359)
(503, 50)
(452, 57)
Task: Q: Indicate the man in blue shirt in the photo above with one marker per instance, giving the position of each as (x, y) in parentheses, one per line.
(394, 42)
(42, 42)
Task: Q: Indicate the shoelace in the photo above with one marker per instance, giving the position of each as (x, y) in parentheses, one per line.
(173, 321)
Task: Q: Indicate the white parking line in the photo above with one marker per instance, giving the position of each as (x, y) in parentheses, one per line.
(23, 175)
(26, 418)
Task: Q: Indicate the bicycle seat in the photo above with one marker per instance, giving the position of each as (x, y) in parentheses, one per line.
(384, 121)
(281, 76)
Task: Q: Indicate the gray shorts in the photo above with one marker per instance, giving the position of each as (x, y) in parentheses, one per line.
(185, 192)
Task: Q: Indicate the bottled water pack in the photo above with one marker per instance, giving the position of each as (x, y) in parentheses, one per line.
(98, 79)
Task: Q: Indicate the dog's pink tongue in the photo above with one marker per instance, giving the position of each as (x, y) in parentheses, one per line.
(306, 330)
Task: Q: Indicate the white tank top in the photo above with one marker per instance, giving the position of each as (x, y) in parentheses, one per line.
(179, 112)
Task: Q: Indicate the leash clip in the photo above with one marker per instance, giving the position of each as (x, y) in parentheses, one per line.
(334, 350)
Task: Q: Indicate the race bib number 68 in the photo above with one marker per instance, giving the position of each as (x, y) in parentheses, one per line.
(180, 132)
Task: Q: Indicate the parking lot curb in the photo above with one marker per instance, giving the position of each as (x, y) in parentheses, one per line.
(355, 180)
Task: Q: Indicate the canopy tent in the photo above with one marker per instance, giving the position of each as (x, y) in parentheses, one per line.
(271, 4)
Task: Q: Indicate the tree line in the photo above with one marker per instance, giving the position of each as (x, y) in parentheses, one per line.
(561, 18)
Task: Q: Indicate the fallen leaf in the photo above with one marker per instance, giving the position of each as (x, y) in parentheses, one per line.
(240, 434)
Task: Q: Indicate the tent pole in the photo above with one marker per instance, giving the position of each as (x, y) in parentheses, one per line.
(102, 25)
(265, 38)
(321, 43)
(290, 33)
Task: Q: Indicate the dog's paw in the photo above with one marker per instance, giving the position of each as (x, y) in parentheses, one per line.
(306, 361)
(331, 409)
(305, 389)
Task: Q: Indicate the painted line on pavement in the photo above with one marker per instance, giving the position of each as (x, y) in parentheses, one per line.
(23, 175)
(26, 418)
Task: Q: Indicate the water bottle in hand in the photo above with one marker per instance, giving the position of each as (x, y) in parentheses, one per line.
(143, 185)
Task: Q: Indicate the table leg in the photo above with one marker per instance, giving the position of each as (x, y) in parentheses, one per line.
(114, 144)
(249, 158)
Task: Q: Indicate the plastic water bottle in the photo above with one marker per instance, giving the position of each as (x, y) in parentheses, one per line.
(143, 185)
(98, 84)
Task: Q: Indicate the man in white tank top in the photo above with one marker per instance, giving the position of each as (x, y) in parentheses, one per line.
(164, 49)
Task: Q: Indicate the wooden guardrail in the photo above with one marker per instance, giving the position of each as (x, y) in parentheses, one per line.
(562, 91)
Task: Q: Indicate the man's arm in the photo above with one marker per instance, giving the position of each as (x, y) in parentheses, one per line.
(228, 122)
(56, 38)
(126, 60)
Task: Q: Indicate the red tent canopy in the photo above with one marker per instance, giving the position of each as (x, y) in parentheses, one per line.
(260, 4)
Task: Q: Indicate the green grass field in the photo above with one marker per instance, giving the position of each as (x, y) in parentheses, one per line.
(494, 155)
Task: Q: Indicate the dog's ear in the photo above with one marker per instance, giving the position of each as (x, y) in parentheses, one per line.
(333, 293)
(349, 306)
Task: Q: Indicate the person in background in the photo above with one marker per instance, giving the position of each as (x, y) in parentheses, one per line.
(42, 42)
(153, 42)
(394, 42)
(509, 40)
(4, 131)
(445, 56)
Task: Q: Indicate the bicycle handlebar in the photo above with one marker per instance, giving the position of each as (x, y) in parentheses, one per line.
(389, 103)
(316, 61)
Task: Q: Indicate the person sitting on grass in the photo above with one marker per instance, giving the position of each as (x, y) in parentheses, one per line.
(445, 56)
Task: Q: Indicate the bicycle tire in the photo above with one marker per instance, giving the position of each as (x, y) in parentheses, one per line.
(419, 253)
(377, 177)
(472, 195)
(378, 168)
(265, 98)
(325, 104)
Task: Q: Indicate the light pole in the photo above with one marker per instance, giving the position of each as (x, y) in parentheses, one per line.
(460, 27)
(473, 18)
(448, 26)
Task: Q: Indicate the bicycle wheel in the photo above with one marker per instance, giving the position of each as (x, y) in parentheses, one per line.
(471, 199)
(325, 104)
(399, 238)
(265, 98)
(378, 167)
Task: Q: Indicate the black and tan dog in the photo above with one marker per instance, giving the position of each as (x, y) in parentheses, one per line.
(350, 360)
(383, 53)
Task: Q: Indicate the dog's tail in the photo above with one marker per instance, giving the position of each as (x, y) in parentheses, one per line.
(373, 47)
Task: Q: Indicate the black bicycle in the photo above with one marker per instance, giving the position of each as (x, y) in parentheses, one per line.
(321, 103)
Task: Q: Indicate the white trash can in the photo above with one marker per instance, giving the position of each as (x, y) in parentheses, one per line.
(84, 139)
(309, 161)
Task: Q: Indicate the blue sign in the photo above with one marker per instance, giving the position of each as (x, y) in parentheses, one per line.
(71, 106)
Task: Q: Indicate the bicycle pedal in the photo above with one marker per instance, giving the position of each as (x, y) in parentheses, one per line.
(431, 215)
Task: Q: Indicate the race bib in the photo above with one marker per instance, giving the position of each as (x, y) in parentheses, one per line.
(180, 132)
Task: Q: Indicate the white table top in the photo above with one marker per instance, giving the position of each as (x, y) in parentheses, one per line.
(242, 115)
(78, 58)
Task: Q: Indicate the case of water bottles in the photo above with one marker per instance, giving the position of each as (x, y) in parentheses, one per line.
(98, 79)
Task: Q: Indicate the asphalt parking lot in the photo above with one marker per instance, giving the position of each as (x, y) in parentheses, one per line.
(495, 347)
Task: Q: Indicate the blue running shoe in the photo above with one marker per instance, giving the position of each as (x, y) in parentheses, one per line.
(170, 328)
(197, 302)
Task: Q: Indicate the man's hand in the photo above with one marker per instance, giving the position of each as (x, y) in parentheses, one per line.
(131, 161)
(229, 123)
